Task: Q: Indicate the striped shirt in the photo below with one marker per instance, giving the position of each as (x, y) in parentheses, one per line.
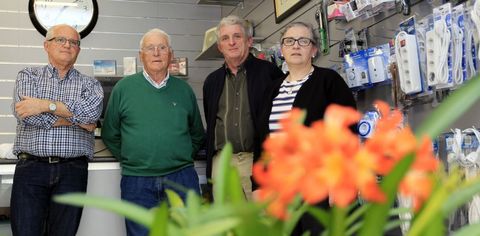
(81, 94)
(283, 102)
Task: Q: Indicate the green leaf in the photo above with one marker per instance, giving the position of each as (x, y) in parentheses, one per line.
(213, 227)
(431, 213)
(294, 217)
(235, 191)
(160, 221)
(193, 207)
(451, 109)
(174, 200)
(131, 211)
(377, 214)
(461, 196)
(356, 214)
(338, 225)
(220, 185)
(468, 230)
(321, 215)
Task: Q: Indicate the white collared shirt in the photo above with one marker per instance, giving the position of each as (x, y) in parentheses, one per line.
(153, 83)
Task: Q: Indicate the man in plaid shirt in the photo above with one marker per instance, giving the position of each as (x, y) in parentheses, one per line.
(56, 108)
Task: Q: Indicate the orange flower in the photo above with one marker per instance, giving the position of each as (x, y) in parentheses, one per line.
(327, 160)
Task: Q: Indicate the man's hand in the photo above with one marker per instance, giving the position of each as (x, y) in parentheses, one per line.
(30, 106)
(88, 127)
(62, 122)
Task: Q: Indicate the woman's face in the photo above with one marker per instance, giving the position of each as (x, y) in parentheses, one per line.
(297, 46)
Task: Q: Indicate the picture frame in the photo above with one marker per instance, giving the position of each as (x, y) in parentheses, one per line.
(284, 8)
(178, 66)
(104, 67)
(129, 65)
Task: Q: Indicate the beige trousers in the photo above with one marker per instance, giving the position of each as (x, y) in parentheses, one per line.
(243, 161)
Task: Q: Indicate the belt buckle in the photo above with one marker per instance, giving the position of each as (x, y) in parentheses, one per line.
(23, 156)
(53, 160)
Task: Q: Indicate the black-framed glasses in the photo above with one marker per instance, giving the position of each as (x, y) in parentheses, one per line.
(289, 41)
(63, 41)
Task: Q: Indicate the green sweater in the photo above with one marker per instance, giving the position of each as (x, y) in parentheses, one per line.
(152, 132)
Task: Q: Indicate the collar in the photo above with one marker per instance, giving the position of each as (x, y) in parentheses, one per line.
(242, 66)
(155, 84)
(54, 71)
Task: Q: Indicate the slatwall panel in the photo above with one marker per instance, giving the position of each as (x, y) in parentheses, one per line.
(119, 28)
(381, 28)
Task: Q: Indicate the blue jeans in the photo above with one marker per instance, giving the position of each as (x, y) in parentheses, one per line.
(149, 191)
(34, 184)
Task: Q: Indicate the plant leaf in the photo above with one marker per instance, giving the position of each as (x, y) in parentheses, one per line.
(450, 109)
(235, 192)
(461, 196)
(220, 185)
(213, 227)
(160, 221)
(377, 214)
(468, 230)
(174, 200)
(320, 214)
(131, 211)
(294, 218)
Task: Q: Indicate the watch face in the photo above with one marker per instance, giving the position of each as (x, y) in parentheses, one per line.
(81, 14)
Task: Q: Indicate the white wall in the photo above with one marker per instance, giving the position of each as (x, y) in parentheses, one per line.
(120, 25)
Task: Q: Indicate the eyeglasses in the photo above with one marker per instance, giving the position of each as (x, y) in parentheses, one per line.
(151, 49)
(63, 40)
(301, 41)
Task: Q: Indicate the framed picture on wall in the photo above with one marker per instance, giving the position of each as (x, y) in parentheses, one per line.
(178, 66)
(284, 8)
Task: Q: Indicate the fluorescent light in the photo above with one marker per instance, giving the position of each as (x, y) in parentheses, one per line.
(66, 4)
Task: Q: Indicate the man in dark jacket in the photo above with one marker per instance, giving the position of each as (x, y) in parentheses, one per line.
(233, 96)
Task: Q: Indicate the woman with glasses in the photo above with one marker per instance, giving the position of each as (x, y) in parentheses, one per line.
(305, 86)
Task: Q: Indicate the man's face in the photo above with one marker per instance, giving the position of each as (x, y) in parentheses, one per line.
(62, 48)
(155, 53)
(233, 43)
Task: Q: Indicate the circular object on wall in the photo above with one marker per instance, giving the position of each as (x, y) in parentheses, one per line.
(80, 14)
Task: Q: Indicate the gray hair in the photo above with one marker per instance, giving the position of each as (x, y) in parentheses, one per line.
(235, 20)
(302, 24)
(156, 31)
(51, 30)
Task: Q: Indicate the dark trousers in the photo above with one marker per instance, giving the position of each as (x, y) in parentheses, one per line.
(149, 191)
(33, 211)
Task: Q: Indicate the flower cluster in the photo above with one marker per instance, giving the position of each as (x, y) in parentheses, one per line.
(328, 161)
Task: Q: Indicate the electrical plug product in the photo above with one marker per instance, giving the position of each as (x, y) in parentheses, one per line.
(437, 45)
(376, 69)
(367, 124)
(407, 61)
(356, 77)
(457, 40)
(442, 27)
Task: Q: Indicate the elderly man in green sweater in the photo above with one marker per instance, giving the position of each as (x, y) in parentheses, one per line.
(153, 127)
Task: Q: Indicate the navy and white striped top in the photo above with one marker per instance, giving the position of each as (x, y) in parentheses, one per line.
(283, 102)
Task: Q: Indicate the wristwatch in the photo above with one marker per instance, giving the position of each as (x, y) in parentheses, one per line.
(52, 107)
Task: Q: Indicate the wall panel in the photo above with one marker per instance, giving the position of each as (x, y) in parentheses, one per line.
(119, 28)
(381, 29)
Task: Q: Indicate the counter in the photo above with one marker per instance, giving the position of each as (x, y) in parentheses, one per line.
(103, 180)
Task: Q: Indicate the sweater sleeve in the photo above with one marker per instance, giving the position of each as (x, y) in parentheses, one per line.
(111, 134)
(339, 93)
(197, 132)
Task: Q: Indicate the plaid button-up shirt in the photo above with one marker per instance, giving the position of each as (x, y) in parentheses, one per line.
(82, 96)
